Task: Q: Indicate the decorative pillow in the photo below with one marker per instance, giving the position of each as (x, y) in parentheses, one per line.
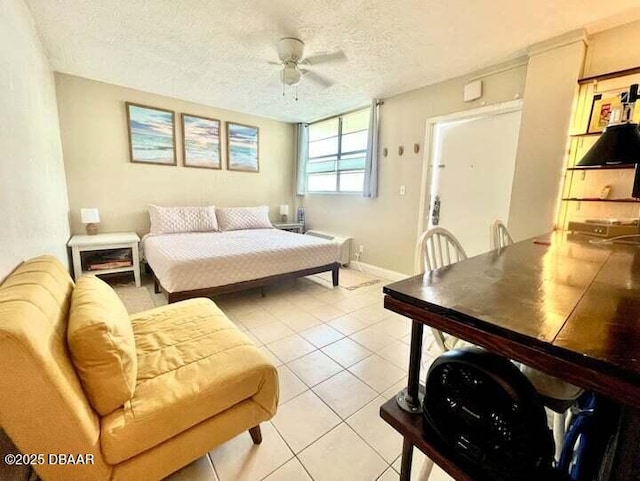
(239, 218)
(169, 220)
(102, 345)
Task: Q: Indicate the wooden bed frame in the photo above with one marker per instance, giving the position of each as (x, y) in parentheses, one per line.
(241, 286)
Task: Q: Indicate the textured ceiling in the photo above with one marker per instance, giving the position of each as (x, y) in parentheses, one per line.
(215, 52)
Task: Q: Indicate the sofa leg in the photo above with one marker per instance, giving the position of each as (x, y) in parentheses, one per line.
(256, 434)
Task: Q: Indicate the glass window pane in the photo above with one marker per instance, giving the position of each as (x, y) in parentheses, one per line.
(326, 166)
(355, 141)
(319, 148)
(356, 121)
(352, 162)
(322, 130)
(351, 182)
(322, 182)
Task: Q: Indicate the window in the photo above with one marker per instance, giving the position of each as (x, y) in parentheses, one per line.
(337, 151)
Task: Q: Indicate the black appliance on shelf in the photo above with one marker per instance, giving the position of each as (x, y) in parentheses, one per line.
(489, 414)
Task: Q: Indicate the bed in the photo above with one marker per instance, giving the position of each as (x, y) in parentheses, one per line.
(197, 264)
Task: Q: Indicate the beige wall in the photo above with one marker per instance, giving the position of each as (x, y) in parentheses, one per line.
(387, 226)
(549, 94)
(99, 173)
(613, 50)
(33, 198)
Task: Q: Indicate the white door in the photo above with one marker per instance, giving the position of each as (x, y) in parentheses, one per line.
(473, 161)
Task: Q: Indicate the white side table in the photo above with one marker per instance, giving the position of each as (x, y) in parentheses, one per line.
(290, 226)
(102, 242)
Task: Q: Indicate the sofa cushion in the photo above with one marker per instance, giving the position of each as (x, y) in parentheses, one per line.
(102, 346)
(193, 363)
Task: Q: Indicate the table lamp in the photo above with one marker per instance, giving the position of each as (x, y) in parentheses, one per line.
(284, 212)
(619, 144)
(90, 217)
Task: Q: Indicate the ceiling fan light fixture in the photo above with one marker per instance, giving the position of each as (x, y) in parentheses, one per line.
(291, 75)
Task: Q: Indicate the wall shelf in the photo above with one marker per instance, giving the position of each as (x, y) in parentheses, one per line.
(624, 201)
(609, 75)
(603, 167)
(587, 134)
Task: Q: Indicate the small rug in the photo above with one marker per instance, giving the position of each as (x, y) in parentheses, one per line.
(350, 279)
(135, 299)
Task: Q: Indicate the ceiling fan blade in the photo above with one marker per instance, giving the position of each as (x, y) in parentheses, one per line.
(324, 58)
(316, 78)
(274, 63)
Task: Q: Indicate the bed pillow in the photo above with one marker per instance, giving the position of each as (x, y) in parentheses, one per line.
(169, 220)
(240, 218)
(102, 344)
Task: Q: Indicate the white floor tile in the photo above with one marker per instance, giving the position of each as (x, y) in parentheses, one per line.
(347, 324)
(276, 362)
(377, 372)
(437, 474)
(325, 312)
(356, 302)
(256, 318)
(345, 393)
(291, 471)
(346, 352)
(375, 431)
(241, 460)
(394, 327)
(370, 314)
(200, 470)
(299, 320)
(321, 335)
(397, 353)
(271, 332)
(290, 348)
(372, 339)
(342, 456)
(314, 368)
(389, 475)
(290, 385)
(304, 419)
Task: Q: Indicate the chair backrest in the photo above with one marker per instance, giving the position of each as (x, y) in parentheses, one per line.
(437, 248)
(500, 236)
(43, 407)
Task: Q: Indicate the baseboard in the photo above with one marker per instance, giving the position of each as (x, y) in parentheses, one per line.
(378, 271)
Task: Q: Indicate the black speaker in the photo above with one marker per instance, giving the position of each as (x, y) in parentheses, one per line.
(489, 413)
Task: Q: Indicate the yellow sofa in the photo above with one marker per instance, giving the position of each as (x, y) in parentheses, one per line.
(199, 382)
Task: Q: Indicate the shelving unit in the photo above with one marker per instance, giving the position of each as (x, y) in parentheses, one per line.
(580, 196)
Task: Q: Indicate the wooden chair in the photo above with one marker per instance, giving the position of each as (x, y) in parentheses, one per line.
(500, 236)
(438, 248)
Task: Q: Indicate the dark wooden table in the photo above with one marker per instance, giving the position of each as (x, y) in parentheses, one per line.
(570, 309)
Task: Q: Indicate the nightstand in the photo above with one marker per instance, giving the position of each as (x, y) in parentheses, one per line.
(100, 243)
(290, 226)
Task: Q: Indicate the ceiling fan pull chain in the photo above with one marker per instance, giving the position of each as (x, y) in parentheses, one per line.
(296, 93)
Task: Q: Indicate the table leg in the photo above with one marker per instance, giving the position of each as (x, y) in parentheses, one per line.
(77, 263)
(407, 458)
(410, 399)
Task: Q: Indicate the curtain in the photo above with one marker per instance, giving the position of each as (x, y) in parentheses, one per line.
(370, 188)
(302, 155)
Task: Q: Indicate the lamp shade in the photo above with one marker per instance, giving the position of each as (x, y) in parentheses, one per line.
(618, 144)
(90, 216)
(284, 209)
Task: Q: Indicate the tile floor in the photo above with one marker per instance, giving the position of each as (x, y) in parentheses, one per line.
(340, 355)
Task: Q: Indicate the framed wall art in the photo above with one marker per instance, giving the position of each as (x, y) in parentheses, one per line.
(242, 147)
(152, 135)
(201, 142)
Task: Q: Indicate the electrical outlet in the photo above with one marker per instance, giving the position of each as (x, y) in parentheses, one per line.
(403, 190)
(361, 249)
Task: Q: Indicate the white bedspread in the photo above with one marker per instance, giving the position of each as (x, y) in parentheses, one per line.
(198, 260)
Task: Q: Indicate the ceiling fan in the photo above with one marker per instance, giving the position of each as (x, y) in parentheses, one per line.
(295, 66)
